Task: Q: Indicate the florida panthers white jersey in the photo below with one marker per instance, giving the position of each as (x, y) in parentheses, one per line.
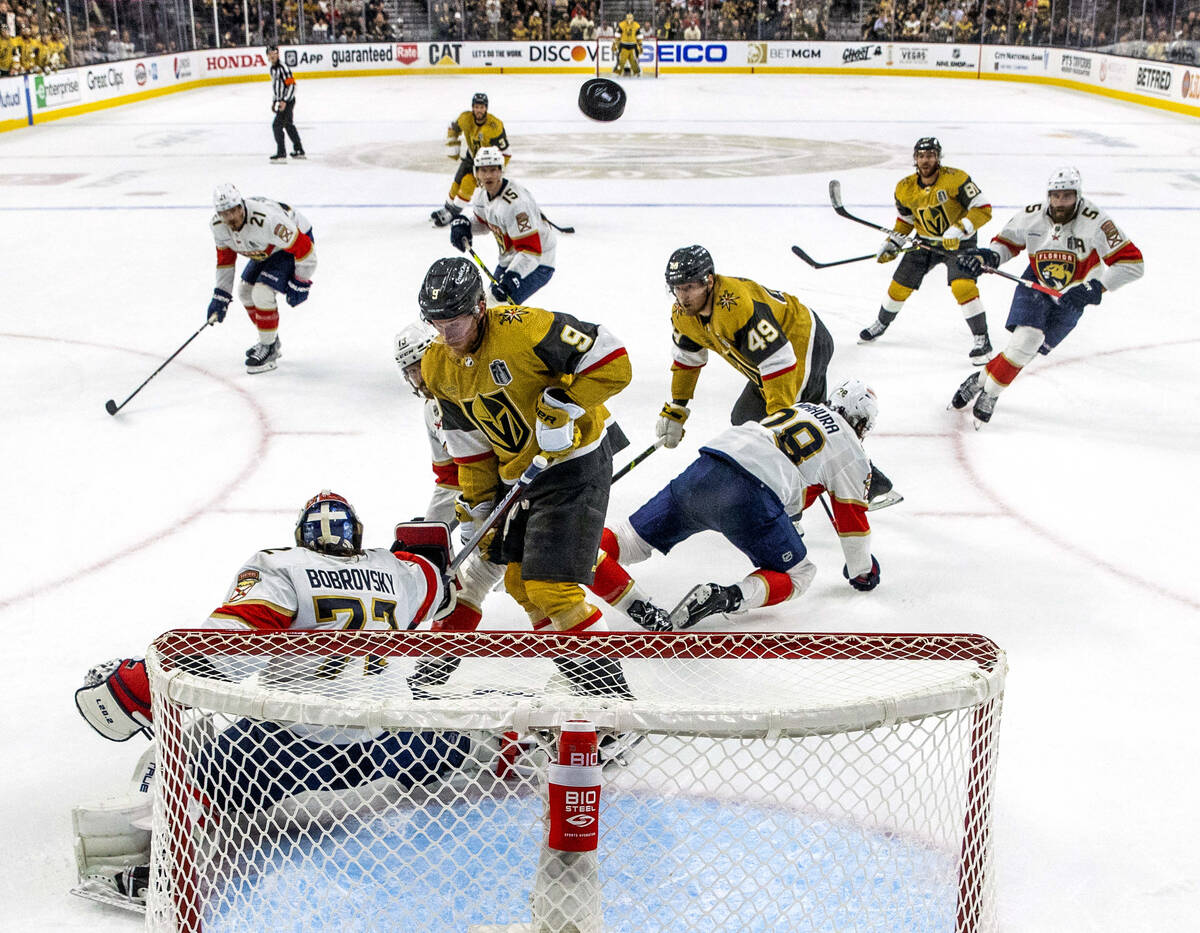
(270, 226)
(445, 470)
(800, 452)
(296, 588)
(525, 240)
(1089, 246)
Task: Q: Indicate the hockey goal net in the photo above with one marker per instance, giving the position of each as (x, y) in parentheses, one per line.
(402, 781)
(606, 58)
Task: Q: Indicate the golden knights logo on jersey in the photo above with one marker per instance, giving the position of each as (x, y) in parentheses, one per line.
(498, 418)
(1055, 267)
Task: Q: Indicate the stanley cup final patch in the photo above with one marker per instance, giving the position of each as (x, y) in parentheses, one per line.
(500, 373)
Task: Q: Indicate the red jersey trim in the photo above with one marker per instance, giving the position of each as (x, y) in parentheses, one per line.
(301, 246)
(532, 243)
(262, 617)
(1014, 247)
(226, 257)
(432, 582)
(474, 458)
(778, 373)
(616, 354)
(445, 474)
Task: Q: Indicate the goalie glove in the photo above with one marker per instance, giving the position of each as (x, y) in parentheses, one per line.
(556, 431)
(670, 424)
(953, 236)
(115, 699)
(890, 249)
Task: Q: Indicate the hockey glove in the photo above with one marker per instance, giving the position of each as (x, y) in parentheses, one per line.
(556, 431)
(460, 233)
(953, 236)
(507, 288)
(297, 291)
(670, 424)
(1079, 297)
(974, 261)
(219, 305)
(115, 699)
(864, 581)
(470, 518)
(890, 249)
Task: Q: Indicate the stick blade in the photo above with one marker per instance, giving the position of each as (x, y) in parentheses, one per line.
(111, 407)
(807, 258)
(835, 192)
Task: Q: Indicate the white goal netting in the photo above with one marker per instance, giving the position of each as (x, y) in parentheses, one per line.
(399, 781)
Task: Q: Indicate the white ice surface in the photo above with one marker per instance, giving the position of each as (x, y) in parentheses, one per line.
(1065, 530)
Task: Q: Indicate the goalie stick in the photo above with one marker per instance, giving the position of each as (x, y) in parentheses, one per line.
(112, 407)
(914, 242)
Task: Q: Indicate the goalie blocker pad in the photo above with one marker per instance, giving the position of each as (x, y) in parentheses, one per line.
(430, 540)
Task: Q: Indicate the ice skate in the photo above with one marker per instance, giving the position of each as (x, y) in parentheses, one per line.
(971, 386)
(279, 158)
(872, 331)
(298, 154)
(703, 601)
(263, 357)
(649, 616)
(984, 406)
(121, 886)
(981, 351)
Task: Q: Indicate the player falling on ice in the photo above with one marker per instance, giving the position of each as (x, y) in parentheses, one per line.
(278, 241)
(747, 484)
(1073, 247)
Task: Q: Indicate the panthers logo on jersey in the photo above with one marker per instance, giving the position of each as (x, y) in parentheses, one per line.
(1055, 267)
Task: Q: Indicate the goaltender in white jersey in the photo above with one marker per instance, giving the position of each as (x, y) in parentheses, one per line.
(278, 241)
(526, 240)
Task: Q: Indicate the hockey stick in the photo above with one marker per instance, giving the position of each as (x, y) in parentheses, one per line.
(112, 407)
(835, 196)
(556, 226)
(825, 265)
(488, 273)
(639, 458)
(531, 473)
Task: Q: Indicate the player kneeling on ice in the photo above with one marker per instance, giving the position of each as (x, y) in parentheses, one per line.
(526, 240)
(328, 581)
(278, 240)
(1074, 247)
(746, 483)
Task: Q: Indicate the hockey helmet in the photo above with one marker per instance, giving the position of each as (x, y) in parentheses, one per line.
(226, 197)
(489, 155)
(452, 288)
(855, 401)
(689, 264)
(328, 524)
(411, 344)
(479, 98)
(928, 144)
(1065, 178)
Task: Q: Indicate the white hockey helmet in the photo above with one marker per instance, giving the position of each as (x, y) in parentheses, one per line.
(855, 401)
(411, 344)
(489, 155)
(226, 197)
(1065, 178)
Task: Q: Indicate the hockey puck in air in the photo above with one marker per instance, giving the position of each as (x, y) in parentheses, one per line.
(602, 99)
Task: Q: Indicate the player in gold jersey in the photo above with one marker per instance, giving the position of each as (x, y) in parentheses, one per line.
(945, 208)
(514, 382)
(471, 131)
(627, 47)
(779, 345)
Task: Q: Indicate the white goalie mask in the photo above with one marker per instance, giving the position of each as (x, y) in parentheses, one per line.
(855, 401)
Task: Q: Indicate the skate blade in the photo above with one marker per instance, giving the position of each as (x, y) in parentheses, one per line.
(101, 893)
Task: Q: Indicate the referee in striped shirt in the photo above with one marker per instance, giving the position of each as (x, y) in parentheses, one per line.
(283, 89)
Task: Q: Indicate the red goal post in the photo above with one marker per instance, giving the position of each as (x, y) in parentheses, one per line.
(606, 60)
(779, 773)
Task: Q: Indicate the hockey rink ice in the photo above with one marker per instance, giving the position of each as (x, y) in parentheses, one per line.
(1065, 530)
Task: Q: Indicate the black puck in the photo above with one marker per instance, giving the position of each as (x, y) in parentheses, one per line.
(602, 99)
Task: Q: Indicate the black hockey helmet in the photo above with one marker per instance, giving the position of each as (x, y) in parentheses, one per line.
(689, 264)
(928, 144)
(479, 98)
(452, 288)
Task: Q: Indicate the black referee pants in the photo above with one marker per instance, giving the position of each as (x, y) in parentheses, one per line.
(284, 122)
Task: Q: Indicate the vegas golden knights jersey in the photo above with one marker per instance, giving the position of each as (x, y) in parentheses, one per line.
(490, 134)
(931, 210)
(767, 336)
(489, 397)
